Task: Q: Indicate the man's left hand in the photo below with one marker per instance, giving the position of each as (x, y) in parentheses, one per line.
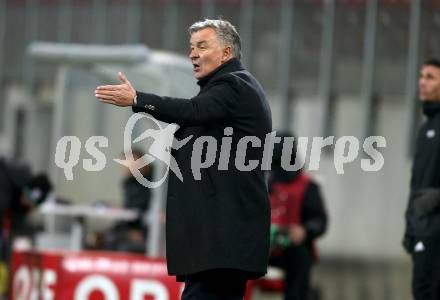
(120, 95)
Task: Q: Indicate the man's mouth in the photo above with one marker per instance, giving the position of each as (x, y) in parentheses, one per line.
(196, 67)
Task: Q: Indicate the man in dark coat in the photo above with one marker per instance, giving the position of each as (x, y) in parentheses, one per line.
(422, 234)
(218, 220)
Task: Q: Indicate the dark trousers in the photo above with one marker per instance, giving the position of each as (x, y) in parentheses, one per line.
(221, 284)
(296, 261)
(426, 269)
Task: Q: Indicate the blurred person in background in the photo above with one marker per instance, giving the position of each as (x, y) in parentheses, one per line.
(20, 193)
(130, 236)
(422, 233)
(217, 226)
(298, 219)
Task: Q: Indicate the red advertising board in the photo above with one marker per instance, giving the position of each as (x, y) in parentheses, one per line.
(91, 276)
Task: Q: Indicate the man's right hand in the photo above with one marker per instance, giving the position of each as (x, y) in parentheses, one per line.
(120, 94)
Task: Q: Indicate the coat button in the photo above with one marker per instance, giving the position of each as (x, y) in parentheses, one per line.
(150, 107)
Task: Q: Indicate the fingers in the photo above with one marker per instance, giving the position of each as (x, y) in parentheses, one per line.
(123, 78)
(120, 94)
(116, 87)
(106, 92)
(108, 99)
(104, 97)
(109, 87)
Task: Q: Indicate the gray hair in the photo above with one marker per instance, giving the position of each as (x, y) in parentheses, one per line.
(226, 32)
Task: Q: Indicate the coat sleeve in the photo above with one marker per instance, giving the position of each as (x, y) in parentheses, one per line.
(215, 104)
(313, 212)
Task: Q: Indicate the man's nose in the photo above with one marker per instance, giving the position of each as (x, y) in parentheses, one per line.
(193, 54)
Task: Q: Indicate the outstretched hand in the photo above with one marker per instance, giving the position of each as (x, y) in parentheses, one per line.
(120, 94)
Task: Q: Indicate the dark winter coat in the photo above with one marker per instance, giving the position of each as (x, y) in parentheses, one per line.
(221, 221)
(423, 212)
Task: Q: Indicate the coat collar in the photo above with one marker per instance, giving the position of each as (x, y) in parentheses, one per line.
(227, 67)
(431, 108)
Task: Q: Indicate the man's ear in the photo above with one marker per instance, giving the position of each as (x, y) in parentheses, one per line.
(227, 53)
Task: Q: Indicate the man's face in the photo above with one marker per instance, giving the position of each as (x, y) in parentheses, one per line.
(207, 53)
(429, 83)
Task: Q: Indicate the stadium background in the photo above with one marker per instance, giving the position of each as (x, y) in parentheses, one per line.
(342, 68)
